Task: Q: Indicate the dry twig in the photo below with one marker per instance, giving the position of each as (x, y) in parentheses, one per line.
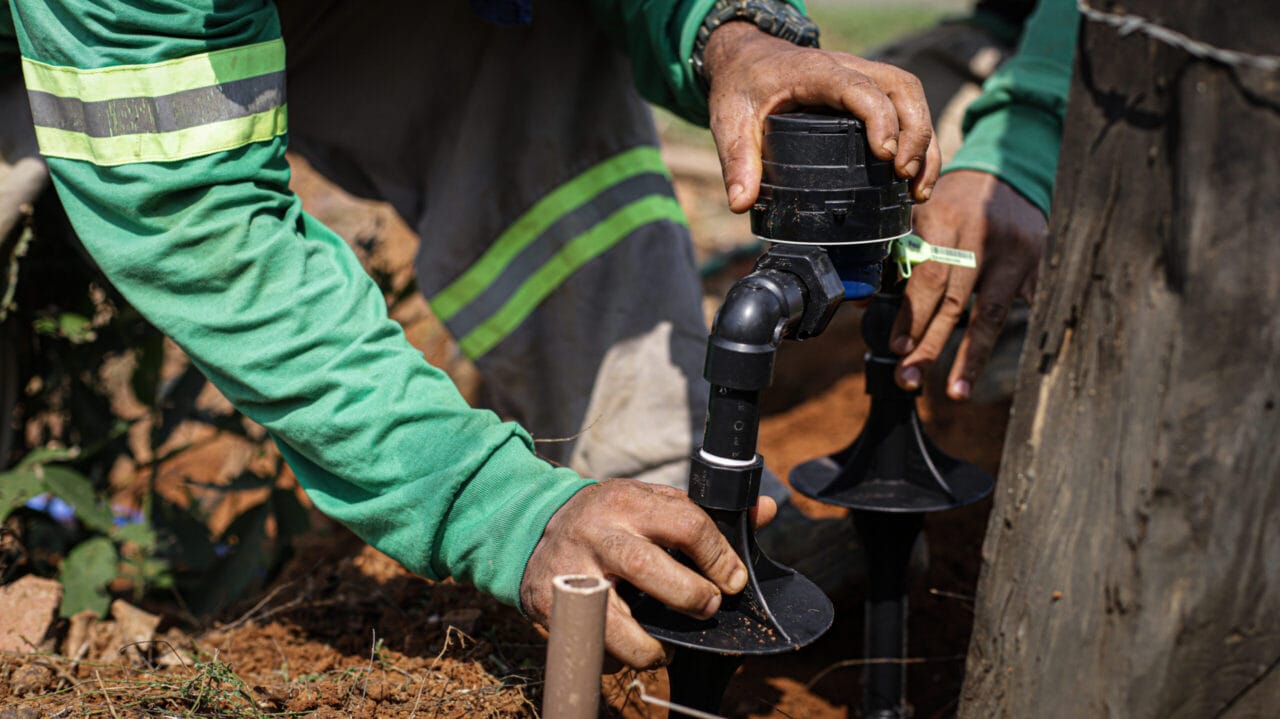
(864, 662)
(105, 695)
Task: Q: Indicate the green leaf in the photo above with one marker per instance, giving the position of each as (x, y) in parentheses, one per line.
(146, 574)
(78, 329)
(85, 574)
(75, 489)
(45, 326)
(47, 455)
(16, 488)
(140, 534)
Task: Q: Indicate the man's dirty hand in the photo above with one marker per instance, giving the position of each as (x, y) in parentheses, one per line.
(753, 75)
(618, 530)
(978, 212)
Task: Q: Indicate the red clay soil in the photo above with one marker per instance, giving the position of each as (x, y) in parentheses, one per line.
(345, 631)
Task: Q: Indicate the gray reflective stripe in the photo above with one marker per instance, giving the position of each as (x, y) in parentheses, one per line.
(551, 241)
(167, 113)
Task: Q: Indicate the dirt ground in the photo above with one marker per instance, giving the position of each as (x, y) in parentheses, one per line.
(345, 631)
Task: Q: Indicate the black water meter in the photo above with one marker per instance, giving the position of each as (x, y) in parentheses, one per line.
(822, 186)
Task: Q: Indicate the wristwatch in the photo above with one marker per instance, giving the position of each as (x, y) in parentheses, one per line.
(772, 16)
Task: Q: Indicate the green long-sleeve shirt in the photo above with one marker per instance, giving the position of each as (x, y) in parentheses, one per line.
(164, 125)
(1014, 129)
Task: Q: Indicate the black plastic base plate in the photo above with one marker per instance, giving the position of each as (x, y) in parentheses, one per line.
(823, 480)
(892, 467)
(742, 627)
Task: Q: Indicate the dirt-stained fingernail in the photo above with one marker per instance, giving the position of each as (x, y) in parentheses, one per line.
(960, 389)
(738, 580)
(901, 344)
(911, 377)
(660, 660)
(712, 606)
(734, 191)
(911, 168)
(890, 146)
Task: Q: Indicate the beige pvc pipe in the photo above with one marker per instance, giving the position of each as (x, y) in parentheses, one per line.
(575, 651)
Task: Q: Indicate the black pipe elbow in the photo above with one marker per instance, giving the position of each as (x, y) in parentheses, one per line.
(755, 316)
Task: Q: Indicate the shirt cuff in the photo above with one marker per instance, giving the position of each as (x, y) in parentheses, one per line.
(1019, 145)
(694, 102)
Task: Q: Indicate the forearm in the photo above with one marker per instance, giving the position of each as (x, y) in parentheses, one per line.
(1014, 129)
(210, 245)
(658, 36)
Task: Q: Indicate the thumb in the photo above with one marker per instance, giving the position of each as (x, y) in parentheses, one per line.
(737, 135)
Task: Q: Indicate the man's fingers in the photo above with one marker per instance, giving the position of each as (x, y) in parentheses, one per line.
(838, 81)
(922, 184)
(737, 134)
(912, 368)
(681, 525)
(626, 641)
(911, 110)
(763, 513)
(915, 126)
(861, 96)
(924, 291)
(658, 574)
(986, 320)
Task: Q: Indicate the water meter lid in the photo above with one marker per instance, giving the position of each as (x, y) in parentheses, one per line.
(822, 186)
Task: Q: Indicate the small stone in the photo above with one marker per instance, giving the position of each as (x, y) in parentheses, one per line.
(80, 634)
(27, 609)
(1056, 596)
(134, 629)
(30, 679)
(464, 620)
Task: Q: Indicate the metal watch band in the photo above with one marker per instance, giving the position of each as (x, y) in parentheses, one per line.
(772, 16)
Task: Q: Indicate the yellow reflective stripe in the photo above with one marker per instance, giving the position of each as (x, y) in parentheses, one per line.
(579, 251)
(164, 146)
(559, 202)
(156, 79)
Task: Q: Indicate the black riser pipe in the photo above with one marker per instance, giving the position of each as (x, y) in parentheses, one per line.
(733, 424)
(889, 539)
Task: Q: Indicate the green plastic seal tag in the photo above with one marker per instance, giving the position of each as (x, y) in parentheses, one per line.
(910, 250)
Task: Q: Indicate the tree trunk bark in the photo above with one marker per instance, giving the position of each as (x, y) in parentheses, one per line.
(1132, 564)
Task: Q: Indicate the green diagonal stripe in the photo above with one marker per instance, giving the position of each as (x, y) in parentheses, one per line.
(560, 202)
(576, 253)
(155, 79)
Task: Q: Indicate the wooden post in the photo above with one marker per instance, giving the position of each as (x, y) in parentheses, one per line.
(1132, 563)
